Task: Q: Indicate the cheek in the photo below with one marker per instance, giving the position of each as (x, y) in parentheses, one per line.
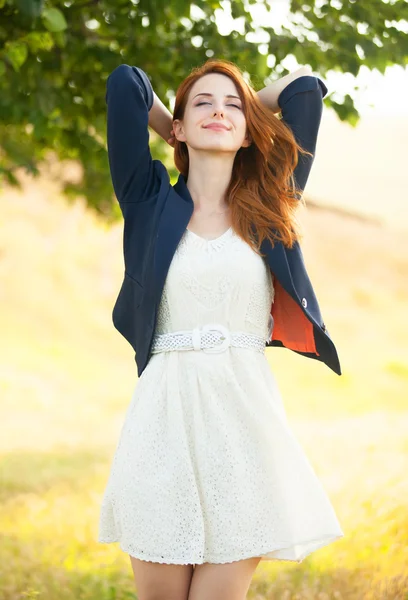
(242, 128)
(242, 122)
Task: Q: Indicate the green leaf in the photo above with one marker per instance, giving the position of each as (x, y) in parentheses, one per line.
(17, 53)
(66, 59)
(30, 8)
(39, 40)
(54, 19)
(11, 179)
(60, 39)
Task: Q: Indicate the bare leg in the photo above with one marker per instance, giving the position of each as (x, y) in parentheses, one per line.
(161, 581)
(228, 581)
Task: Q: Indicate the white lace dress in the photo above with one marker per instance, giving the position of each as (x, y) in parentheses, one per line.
(207, 468)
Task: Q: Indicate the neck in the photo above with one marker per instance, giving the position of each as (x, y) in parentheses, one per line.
(208, 181)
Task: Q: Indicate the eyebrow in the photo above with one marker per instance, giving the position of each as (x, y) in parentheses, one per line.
(207, 94)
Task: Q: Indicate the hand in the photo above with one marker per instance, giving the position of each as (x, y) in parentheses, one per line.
(172, 139)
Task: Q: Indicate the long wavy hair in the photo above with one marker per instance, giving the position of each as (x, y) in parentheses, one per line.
(262, 193)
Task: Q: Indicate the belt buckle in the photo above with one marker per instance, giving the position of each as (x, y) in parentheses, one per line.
(226, 340)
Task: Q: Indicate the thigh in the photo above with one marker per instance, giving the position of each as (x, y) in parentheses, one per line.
(157, 581)
(229, 581)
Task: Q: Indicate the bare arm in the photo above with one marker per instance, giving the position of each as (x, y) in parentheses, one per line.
(160, 119)
(269, 95)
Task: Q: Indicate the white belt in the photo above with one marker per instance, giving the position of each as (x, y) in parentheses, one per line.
(208, 339)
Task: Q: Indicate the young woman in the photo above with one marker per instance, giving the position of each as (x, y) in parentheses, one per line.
(208, 478)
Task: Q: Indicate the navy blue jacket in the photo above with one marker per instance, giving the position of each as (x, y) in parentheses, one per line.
(156, 215)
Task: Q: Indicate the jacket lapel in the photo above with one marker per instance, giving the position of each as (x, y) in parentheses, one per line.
(177, 212)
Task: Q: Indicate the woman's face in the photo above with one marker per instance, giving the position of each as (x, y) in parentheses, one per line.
(213, 98)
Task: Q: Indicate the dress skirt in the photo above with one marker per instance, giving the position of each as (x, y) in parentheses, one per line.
(207, 468)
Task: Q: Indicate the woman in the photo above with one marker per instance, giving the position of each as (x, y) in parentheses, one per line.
(208, 478)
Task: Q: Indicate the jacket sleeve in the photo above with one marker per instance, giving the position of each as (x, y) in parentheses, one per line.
(301, 104)
(129, 98)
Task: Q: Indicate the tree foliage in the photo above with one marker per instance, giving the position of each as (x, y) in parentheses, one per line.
(55, 57)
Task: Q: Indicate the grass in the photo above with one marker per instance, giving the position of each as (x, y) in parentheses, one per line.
(66, 378)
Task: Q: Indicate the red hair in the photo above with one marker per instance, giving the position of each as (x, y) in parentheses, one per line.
(262, 193)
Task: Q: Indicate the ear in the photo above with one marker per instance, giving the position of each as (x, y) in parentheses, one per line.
(247, 142)
(178, 130)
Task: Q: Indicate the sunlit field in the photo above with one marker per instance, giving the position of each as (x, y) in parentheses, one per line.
(67, 376)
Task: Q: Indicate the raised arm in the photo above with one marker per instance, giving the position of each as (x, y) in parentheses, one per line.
(269, 95)
(301, 104)
(129, 98)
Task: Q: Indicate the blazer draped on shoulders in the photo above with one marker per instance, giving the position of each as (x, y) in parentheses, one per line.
(157, 213)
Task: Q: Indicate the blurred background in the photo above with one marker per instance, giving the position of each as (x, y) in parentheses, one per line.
(66, 375)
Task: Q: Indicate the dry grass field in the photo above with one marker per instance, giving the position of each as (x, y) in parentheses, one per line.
(66, 377)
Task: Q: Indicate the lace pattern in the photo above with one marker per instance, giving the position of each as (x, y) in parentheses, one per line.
(216, 277)
(260, 302)
(207, 468)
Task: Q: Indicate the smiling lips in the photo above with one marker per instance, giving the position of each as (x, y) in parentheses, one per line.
(217, 127)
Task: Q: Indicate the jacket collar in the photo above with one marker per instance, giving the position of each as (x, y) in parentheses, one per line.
(182, 190)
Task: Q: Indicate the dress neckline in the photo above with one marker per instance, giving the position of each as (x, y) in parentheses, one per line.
(210, 241)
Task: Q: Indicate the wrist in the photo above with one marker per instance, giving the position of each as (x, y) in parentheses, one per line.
(269, 95)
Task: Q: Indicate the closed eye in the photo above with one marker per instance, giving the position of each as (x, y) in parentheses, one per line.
(227, 105)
